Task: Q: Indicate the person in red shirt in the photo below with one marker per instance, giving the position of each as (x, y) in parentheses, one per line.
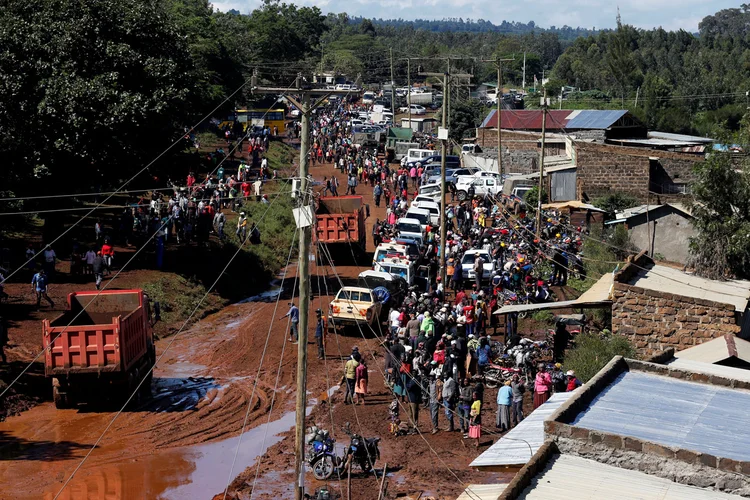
(108, 252)
(245, 190)
(190, 179)
(460, 296)
(469, 314)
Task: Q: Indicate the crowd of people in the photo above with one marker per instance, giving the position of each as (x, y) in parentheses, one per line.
(439, 339)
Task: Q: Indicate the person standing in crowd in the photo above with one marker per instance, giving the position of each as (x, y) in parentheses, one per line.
(241, 232)
(573, 382)
(50, 259)
(504, 401)
(350, 379)
(475, 423)
(414, 393)
(465, 399)
(360, 388)
(108, 252)
(450, 395)
(542, 386)
(377, 192)
(40, 284)
(293, 315)
(559, 381)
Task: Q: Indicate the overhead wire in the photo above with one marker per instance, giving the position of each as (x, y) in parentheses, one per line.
(169, 345)
(257, 375)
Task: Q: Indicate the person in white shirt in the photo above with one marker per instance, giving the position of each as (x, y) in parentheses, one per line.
(50, 259)
(395, 323)
(257, 185)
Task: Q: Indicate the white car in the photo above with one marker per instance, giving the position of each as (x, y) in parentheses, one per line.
(416, 109)
(410, 228)
(467, 263)
(368, 98)
(483, 186)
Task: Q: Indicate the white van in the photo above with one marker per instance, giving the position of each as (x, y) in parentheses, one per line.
(368, 98)
(423, 216)
(431, 207)
(389, 249)
(417, 155)
(410, 228)
(429, 191)
(396, 267)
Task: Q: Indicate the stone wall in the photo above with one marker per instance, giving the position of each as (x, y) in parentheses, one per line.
(603, 168)
(520, 149)
(654, 321)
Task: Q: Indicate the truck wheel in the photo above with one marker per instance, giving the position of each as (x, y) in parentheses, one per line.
(146, 387)
(461, 195)
(61, 400)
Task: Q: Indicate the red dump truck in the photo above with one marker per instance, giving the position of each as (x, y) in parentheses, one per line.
(341, 219)
(103, 351)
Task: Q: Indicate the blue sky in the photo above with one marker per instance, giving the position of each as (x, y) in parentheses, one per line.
(669, 14)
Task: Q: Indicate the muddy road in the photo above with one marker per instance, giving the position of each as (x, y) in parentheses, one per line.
(181, 442)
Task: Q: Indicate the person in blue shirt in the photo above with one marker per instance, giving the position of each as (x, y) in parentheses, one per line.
(39, 284)
(483, 355)
(504, 401)
(319, 332)
(293, 315)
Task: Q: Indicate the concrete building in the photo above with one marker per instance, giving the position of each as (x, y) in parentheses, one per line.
(659, 229)
(657, 307)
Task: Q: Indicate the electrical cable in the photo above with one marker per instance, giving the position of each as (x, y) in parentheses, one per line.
(172, 340)
(257, 375)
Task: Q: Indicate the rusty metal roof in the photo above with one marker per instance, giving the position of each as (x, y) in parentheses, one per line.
(531, 119)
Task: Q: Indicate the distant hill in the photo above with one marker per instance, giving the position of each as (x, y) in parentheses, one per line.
(480, 26)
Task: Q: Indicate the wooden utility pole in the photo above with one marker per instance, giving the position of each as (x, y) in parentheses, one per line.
(443, 152)
(499, 94)
(393, 91)
(305, 206)
(540, 193)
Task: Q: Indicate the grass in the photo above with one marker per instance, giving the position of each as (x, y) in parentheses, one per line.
(543, 316)
(178, 297)
(594, 351)
(281, 156)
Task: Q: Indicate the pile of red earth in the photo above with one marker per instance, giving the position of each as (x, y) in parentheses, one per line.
(13, 404)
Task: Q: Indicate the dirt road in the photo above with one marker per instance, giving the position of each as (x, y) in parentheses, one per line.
(180, 444)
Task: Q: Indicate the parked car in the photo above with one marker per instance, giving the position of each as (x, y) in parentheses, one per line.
(410, 228)
(414, 156)
(353, 306)
(451, 175)
(416, 109)
(467, 263)
(483, 186)
(431, 207)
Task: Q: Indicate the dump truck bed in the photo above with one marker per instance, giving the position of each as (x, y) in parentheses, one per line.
(110, 335)
(341, 219)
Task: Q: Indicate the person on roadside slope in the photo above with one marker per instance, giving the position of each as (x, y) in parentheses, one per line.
(360, 385)
(293, 315)
(320, 331)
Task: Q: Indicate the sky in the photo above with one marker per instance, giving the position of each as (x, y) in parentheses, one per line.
(599, 14)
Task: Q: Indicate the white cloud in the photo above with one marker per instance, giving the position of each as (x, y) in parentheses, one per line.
(670, 14)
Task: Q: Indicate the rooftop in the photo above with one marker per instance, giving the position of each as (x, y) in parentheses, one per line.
(669, 280)
(717, 350)
(699, 417)
(571, 477)
(565, 119)
(519, 445)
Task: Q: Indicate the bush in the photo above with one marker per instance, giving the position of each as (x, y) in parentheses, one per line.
(594, 351)
(543, 316)
(615, 202)
(532, 199)
(177, 297)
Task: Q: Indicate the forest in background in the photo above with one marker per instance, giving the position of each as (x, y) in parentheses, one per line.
(106, 85)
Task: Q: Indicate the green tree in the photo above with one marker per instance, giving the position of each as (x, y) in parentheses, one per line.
(593, 352)
(721, 250)
(89, 91)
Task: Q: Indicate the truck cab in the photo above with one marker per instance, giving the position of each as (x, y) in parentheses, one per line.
(483, 186)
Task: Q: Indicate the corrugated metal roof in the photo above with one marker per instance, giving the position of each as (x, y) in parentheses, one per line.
(482, 491)
(597, 295)
(568, 477)
(672, 412)
(670, 280)
(680, 137)
(573, 204)
(512, 449)
(710, 369)
(716, 350)
(531, 119)
(595, 119)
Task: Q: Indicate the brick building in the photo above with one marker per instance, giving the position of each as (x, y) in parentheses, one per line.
(658, 307)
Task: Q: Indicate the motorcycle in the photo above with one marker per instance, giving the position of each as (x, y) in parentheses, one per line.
(321, 453)
(362, 452)
(496, 375)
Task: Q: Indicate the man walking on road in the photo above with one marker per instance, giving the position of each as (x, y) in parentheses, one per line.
(293, 315)
(98, 269)
(377, 192)
(39, 284)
